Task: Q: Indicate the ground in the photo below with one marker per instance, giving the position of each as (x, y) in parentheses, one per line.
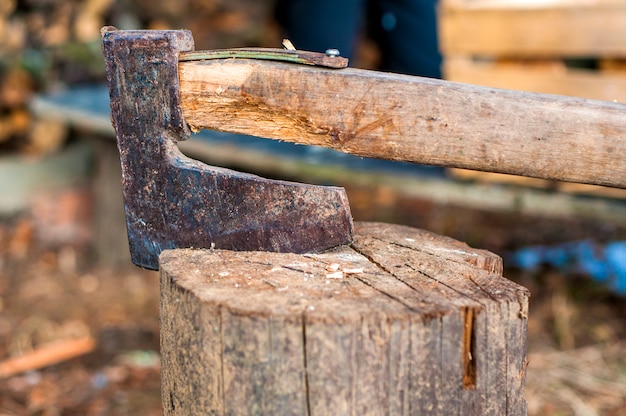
(55, 294)
(577, 335)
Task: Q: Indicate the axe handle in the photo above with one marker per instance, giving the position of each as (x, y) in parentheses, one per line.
(408, 118)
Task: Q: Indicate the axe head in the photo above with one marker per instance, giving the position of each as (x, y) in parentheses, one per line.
(172, 201)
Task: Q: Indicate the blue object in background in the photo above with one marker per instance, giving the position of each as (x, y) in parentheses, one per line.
(615, 253)
(604, 263)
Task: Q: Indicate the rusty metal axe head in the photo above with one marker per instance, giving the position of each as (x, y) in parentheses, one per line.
(172, 201)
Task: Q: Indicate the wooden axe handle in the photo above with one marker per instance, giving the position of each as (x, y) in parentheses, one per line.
(409, 118)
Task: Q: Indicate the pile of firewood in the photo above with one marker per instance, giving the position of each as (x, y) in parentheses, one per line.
(51, 44)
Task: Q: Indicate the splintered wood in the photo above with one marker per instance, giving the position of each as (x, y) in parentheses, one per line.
(416, 324)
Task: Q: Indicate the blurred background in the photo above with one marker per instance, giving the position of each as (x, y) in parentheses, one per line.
(85, 321)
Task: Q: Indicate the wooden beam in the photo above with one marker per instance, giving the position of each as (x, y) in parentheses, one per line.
(414, 119)
(539, 77)
(558, 29)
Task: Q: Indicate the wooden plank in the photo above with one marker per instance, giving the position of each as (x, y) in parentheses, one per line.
(490, 177)
(515, 4)
(414, 119)
(531, 29)
(584, 189)
(272, 333)
(541, 77)
(567, 187)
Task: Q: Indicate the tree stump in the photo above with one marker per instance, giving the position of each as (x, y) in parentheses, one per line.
(402, 322)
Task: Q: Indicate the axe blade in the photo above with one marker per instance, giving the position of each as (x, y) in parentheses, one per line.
(172, 201)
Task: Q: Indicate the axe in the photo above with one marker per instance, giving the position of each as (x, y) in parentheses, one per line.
(161, 90)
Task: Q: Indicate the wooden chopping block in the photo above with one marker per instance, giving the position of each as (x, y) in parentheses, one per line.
(403, 322)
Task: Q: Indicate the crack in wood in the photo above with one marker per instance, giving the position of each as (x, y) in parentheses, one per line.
(431, 253)
(220, 314)
(523, 306)
(434, 254)
(385, 270)
(469, 344)
(307, 391)
(482, 289)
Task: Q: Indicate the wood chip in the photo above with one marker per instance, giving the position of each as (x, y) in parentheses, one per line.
(47, 355)
(288, 45)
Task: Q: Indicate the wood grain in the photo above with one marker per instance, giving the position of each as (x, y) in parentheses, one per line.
(414, 119)
(426, 328)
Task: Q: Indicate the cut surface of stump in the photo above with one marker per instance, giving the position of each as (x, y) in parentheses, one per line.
(401, 322)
